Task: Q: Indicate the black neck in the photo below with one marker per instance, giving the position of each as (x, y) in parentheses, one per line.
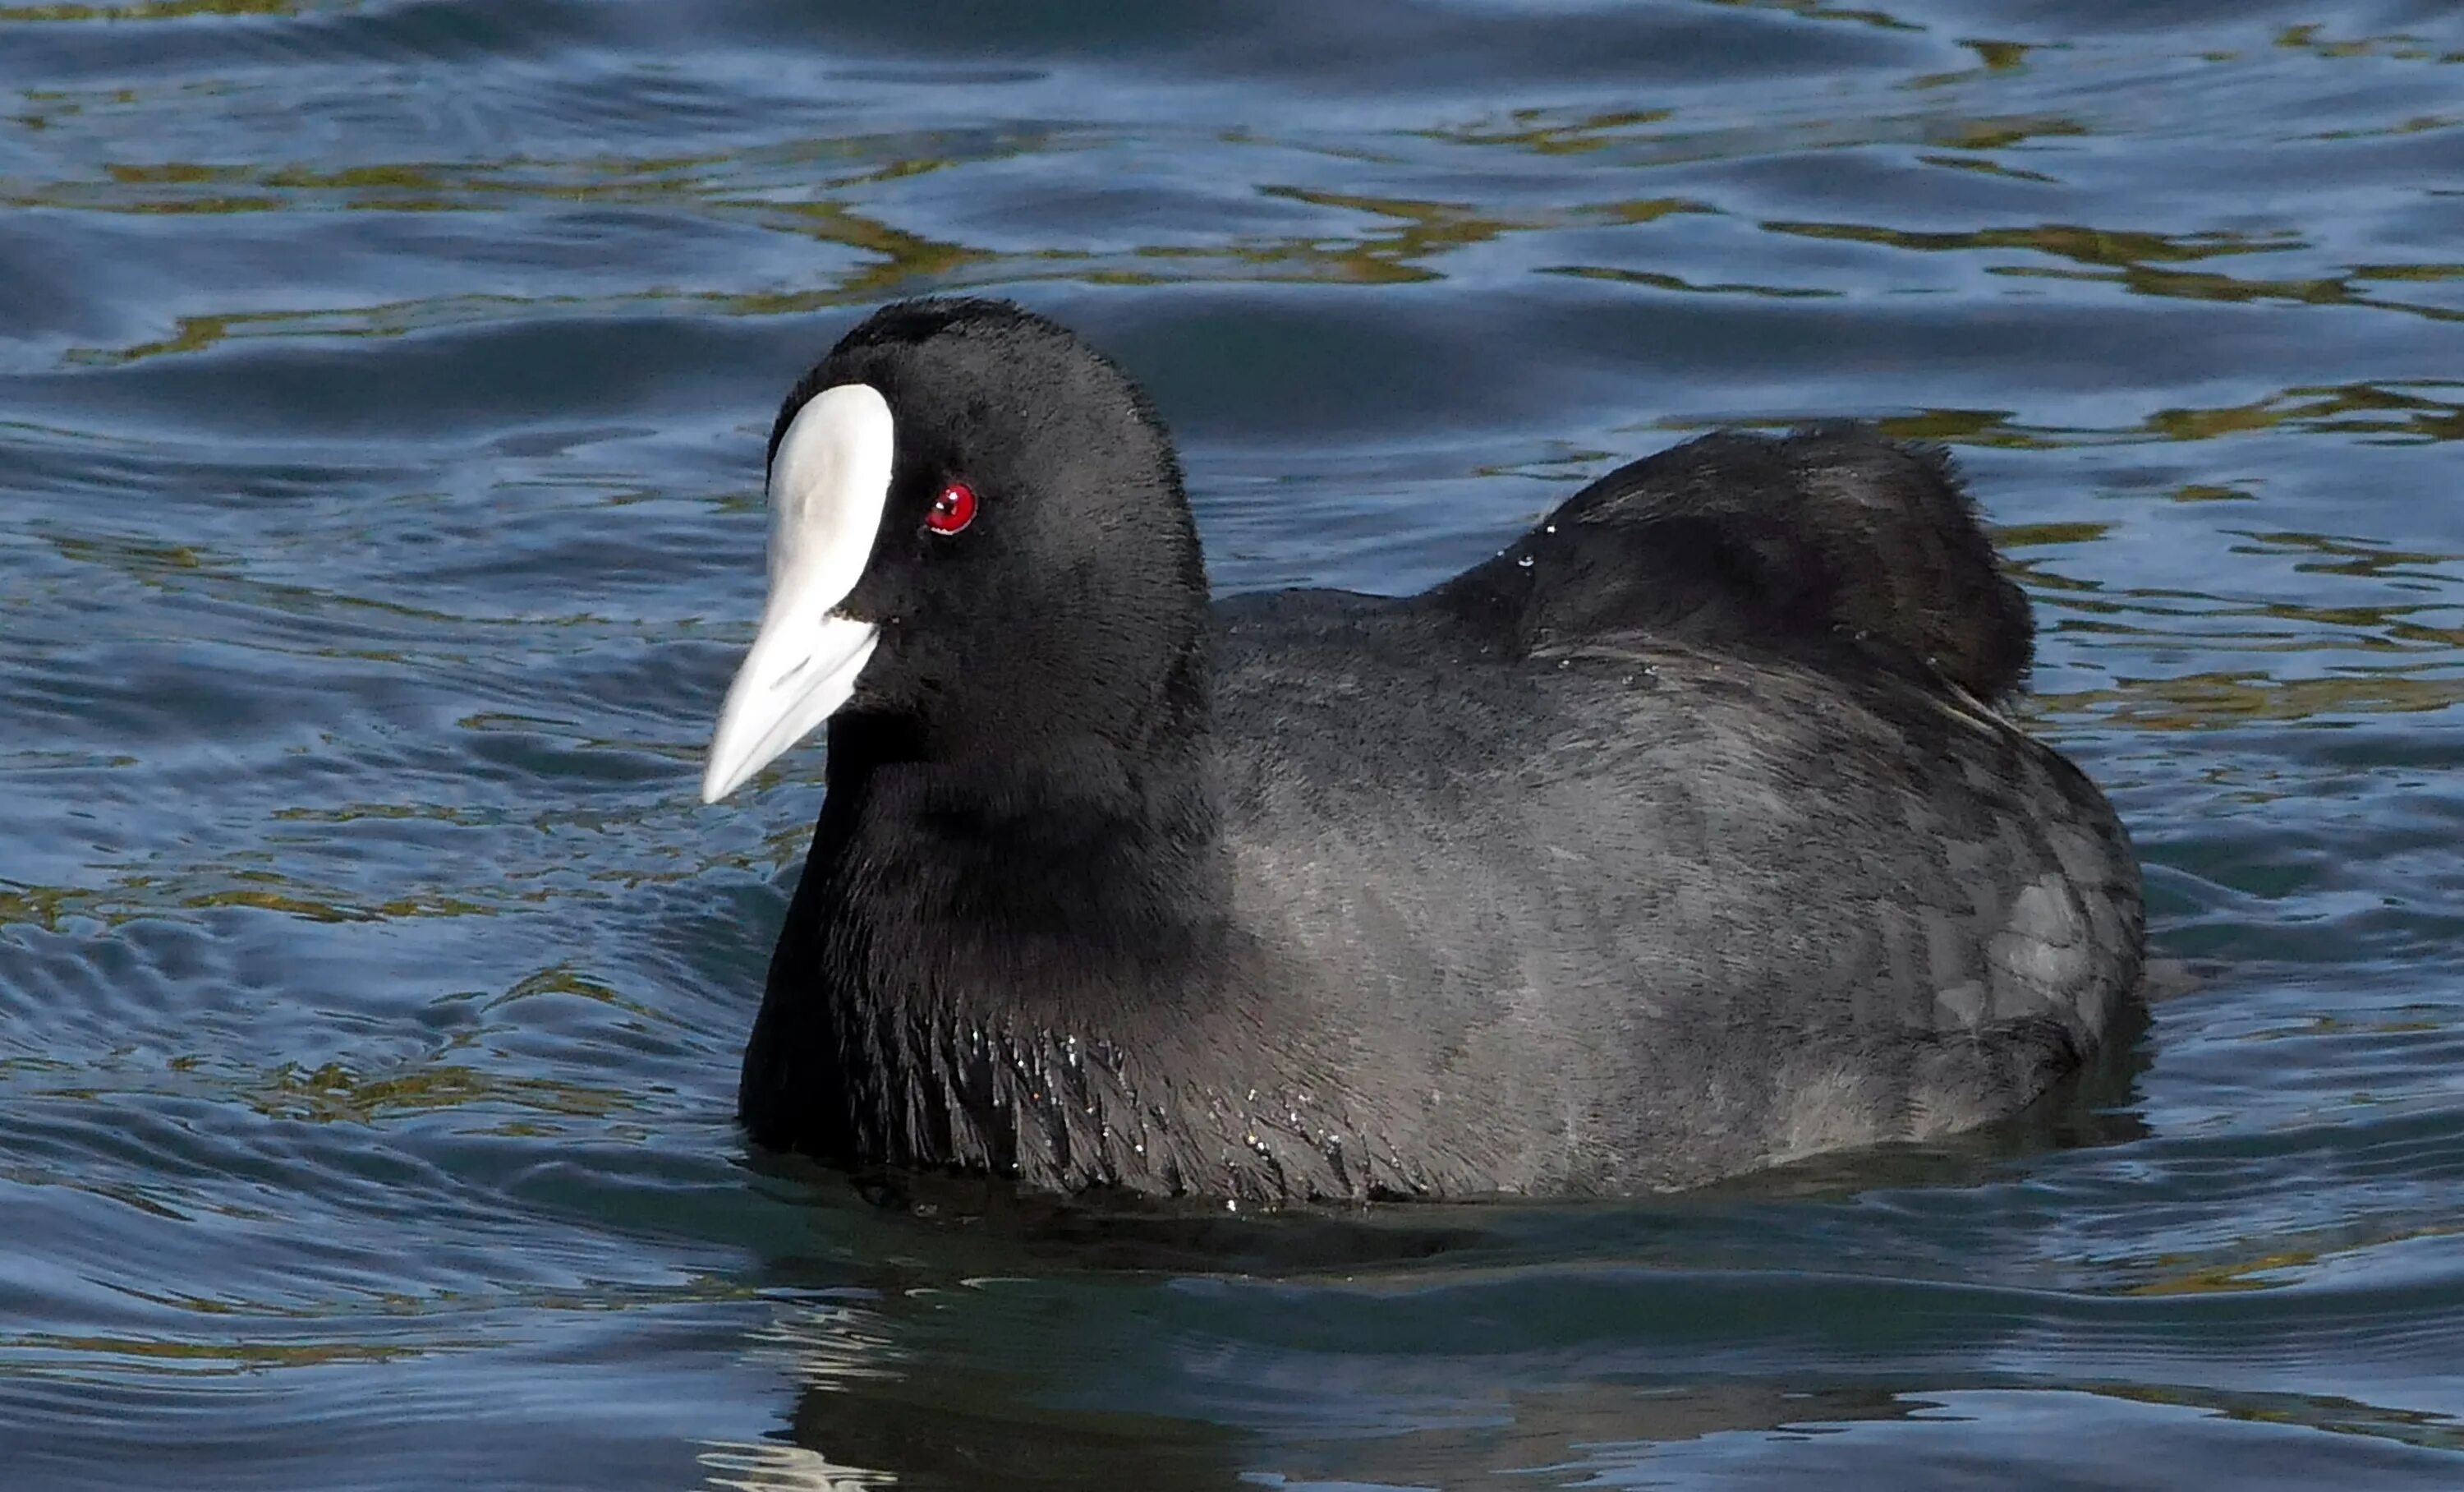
(957, 905)
(1078, 828)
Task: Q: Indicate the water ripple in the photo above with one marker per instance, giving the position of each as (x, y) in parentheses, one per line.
(381, 387)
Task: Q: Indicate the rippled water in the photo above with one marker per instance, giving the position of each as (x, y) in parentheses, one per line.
(382, 400)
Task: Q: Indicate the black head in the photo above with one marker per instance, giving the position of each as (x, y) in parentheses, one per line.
(979, 548)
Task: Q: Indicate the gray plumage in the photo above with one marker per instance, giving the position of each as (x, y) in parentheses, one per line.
(1685, 848)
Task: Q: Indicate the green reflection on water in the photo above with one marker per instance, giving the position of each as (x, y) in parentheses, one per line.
(226, 1356)
(1533, 129)
(334, 1093)
(2102, 246)
(2307, 1411)
(2179, 284)
(2385, 412)
(2132, 259)
(1658, 281)
(2245, 697)
(1817, 11)
(127, 898)
(1987, 167)
(148, 10)
(2000, 56)
(906, 262)
(2398, 46)
(2283, 1261)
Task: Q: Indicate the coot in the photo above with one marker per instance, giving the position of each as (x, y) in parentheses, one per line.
(1683, 838)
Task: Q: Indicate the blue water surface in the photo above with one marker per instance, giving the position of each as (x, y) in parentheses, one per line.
(383, 390)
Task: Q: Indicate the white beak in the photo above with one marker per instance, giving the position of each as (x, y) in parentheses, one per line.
(828, 486)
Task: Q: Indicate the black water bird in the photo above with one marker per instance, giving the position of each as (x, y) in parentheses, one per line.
(1683, 838)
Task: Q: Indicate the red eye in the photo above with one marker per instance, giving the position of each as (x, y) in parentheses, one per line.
(953, 510)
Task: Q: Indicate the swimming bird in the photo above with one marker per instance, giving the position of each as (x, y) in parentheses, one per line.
(1683, 838)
